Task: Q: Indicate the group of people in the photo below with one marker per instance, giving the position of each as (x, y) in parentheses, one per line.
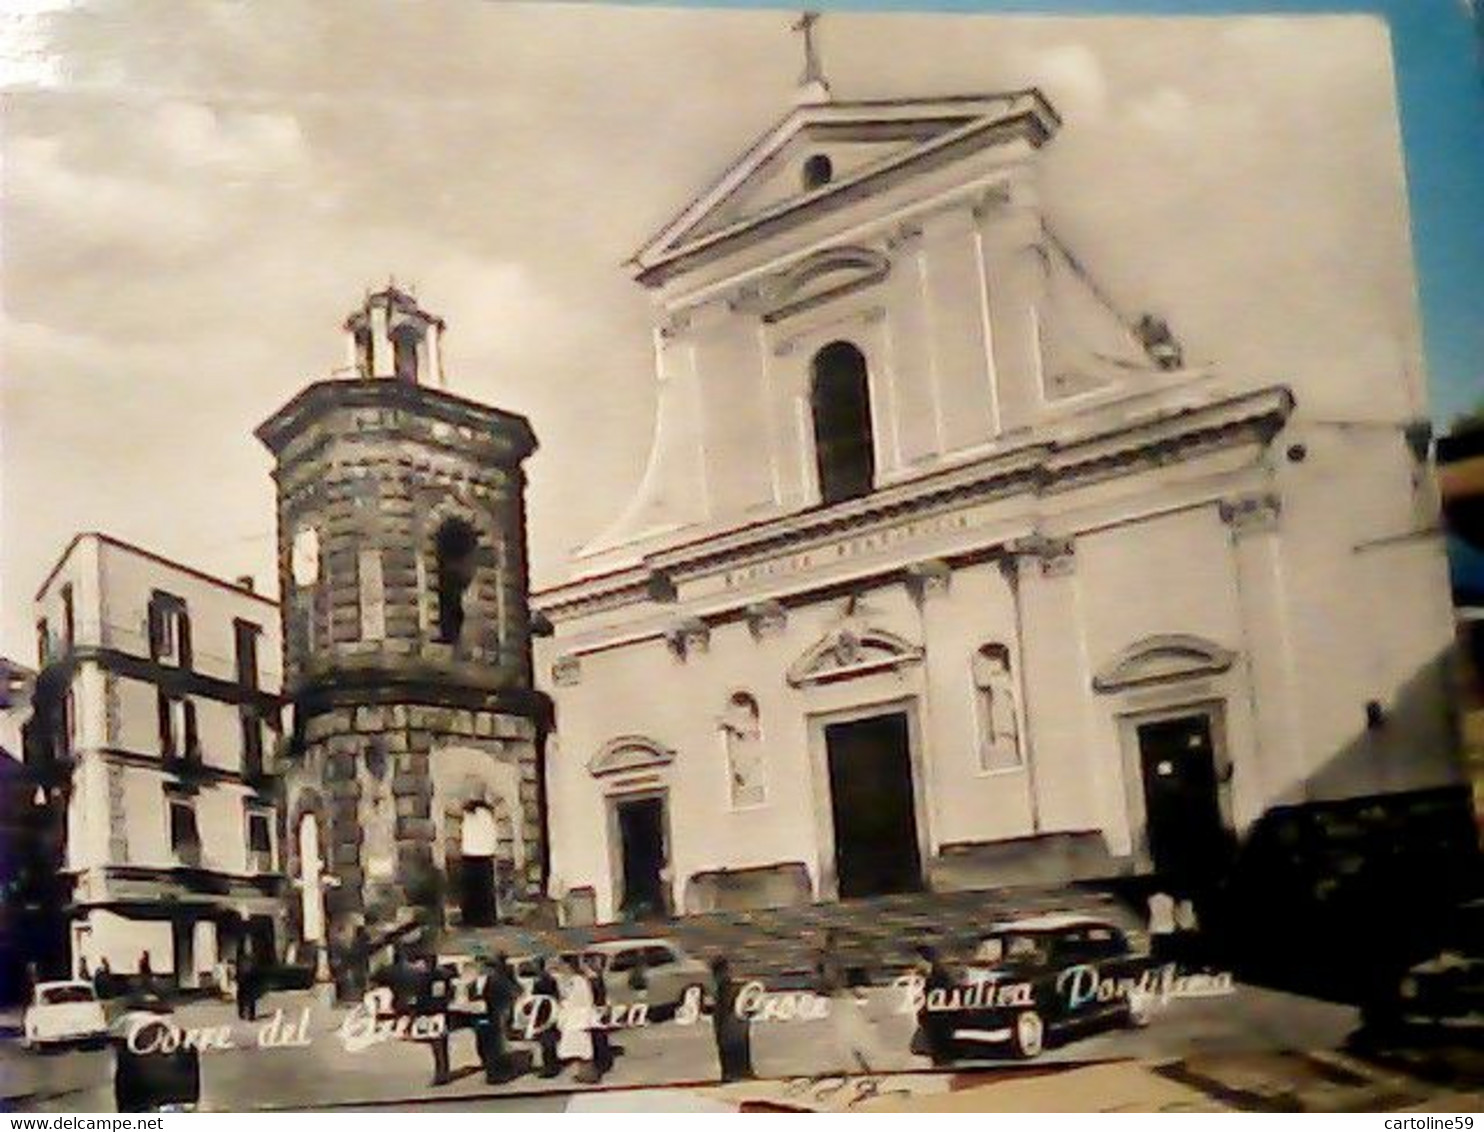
(423, 989)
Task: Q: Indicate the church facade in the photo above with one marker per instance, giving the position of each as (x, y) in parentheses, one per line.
(944, 572)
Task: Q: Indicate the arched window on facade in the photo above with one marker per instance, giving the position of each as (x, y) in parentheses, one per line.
(998, 711)
(840, 399)
(456, 546)
(742, 731)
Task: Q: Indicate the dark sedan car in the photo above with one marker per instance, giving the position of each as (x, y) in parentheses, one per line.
(1033, 983)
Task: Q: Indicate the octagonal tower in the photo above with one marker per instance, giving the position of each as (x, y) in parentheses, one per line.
(414, 787)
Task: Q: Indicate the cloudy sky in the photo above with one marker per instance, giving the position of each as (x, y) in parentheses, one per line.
(197, 192)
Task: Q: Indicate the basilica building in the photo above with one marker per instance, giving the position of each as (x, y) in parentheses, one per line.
(946, 571)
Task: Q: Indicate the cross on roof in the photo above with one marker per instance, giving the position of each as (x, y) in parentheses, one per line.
(813, 76)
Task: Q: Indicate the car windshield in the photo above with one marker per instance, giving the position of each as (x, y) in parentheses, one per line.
(1013, 947)
(57, 996)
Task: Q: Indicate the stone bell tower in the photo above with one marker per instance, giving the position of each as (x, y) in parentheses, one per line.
(414, 788)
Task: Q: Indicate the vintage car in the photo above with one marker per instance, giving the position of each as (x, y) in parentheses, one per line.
(1444, 994)
(657, 972)
(1037, 982)
(63, 1013)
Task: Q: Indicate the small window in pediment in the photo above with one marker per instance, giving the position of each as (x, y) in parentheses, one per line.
(818, 170)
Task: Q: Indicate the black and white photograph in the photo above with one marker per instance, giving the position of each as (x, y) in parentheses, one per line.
(558, 548)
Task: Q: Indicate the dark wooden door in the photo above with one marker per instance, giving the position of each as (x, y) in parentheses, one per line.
(641, 832)
(477, 891)
(1187, 833)
(870, 765)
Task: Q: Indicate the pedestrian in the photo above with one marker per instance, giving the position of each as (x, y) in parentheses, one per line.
(852, 1030)
(545, 987)
(146, 974)
(592, 969)
(732, 1031)
(83, 974)
(431, 1006)
(575, 1019)
(247, 985)
(1161, 926)
(103, 979)
(499, 993)
(934, 1026)
(1187, 935)
(152, 1073)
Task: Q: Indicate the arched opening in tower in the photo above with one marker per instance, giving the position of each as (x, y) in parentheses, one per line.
(456, 546)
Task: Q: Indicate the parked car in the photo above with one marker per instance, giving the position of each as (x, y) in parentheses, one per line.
(1444, 994)
(657, 972)
(1041, 981)
(60, 1013)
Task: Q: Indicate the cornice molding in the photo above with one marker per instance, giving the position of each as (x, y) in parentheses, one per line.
(1039, 467)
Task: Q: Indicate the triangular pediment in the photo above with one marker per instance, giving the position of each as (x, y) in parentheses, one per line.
(1162, 658)
(850, 651)
(859, 141)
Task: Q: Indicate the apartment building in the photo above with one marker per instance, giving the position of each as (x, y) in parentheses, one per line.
(157, 717)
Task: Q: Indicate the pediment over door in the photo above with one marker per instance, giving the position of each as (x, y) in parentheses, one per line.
(1163, 658)
(848, 651)
(629, 752)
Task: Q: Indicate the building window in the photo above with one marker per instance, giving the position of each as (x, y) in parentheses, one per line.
(260, 841)
(457, 548)
(169, 630)
(742, 730)
(840, 399)
(185, 838)
(253, 743)
(819, 170)
(69, 720)
(69, 618)
(246, 635)
(999, 715)
(177, 727)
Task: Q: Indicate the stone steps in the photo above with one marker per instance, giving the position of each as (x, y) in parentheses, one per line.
(876, 936)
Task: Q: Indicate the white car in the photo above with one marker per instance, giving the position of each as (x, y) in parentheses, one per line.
(654, 971)
(63, 1012)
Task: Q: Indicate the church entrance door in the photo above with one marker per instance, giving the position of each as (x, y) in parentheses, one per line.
(872, 802)
(1187, 833)
(641, 835)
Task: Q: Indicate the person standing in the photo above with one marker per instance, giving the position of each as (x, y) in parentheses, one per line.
(499, 993)
(845, 1008)
(431, 1008)
(935, 1026)
(733, 1033)
(103, 979)
(592, 968)
(574, 1021)
(1161, 926)
(146, 974)
(545, 987)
